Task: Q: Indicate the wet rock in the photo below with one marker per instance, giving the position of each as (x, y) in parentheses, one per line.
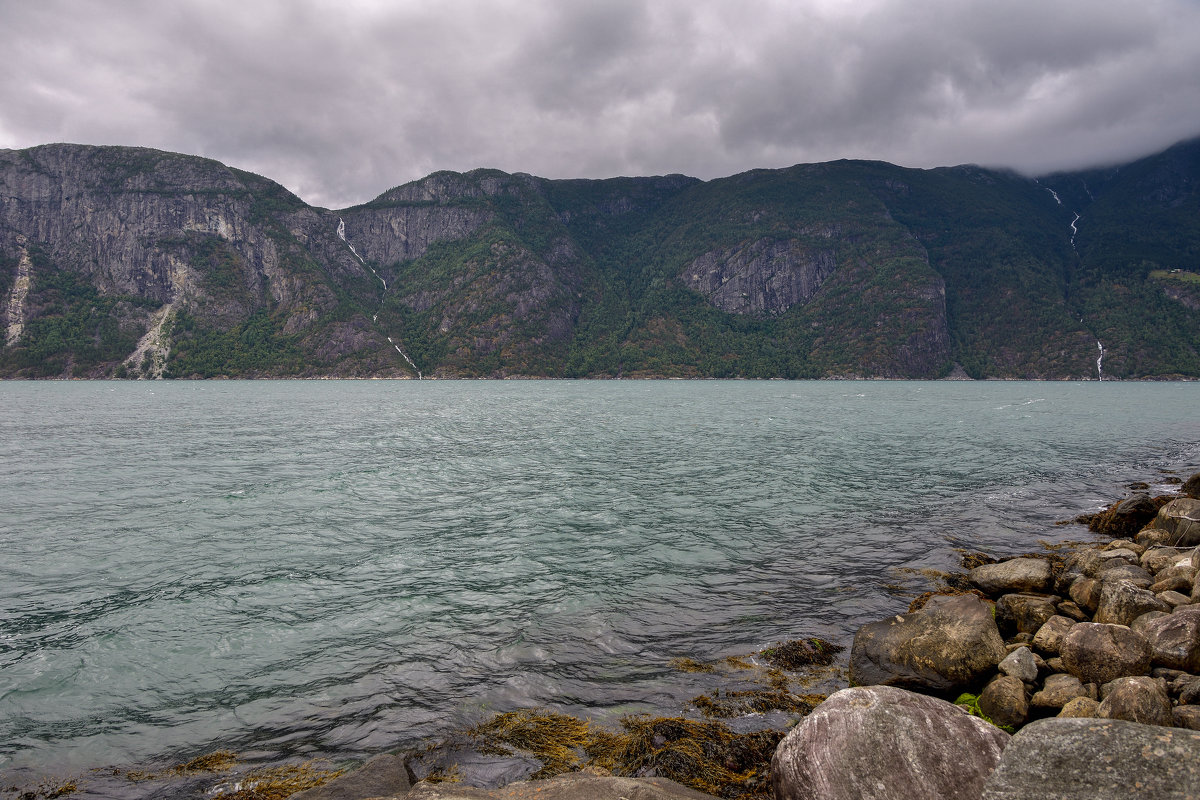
(1020, 665)
(1080, 707)
(1175, 639)
(1049, 637)
(572, 786)
(949, 644)
(882, 743)
(1190, 693)
(1125, 517)
(1191, 487)
(1136, 699)
(383, 775)
(1100, 653)
(1186, 717)
(1025, 612)
(1181, 519)
(1093, 759)
(1086, 593)
(1004, 701)
(1121, 603)
(1058, 691)
(1016, 575)
(1125, 544)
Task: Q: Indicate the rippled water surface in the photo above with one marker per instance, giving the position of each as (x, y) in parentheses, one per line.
(340, 568)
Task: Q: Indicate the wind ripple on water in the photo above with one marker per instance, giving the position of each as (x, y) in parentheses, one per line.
(339, 568)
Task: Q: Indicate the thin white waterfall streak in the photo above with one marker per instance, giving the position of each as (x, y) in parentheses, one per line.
(1053, 193)
(341, 232)
(1100, 362)
(406, 358)
(1074, 230)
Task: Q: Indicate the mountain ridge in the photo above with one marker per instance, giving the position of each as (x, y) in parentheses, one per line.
(129, 262)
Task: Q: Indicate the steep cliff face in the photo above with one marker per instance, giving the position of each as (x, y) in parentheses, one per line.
(766, 276)
(133, 262)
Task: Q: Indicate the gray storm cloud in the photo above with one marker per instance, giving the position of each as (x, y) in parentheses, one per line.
(340, 101)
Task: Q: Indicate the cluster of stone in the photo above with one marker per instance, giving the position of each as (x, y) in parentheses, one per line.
(1094, 661)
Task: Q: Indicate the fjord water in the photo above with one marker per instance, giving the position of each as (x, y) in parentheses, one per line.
(339, 568)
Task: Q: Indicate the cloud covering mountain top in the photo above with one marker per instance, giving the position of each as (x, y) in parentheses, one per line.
(340, 101)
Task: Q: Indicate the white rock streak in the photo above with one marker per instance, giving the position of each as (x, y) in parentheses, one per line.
(406, 358)
(341, 232)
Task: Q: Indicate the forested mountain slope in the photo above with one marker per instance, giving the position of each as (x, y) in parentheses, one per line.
(130, 262)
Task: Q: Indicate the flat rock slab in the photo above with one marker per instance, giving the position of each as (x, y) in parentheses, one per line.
(1094, 759)
(572, 786)
(883, 743)
(382, 776)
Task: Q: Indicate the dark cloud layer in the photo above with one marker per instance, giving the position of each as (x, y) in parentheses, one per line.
(342, 100)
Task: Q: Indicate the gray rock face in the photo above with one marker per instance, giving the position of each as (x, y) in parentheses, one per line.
(1087, 759)
(1049, 637)
(881, 743)
(1004, 701)
(1020, 664)
(1121, 603)
(767, 276)
(1191, 487)
(1099, 653)
(1136, 699)
(1015, 575)
(1181, 519)
(951, 643)
(1058, 690)
(1175, 639)
(572, 786)
(383, 775)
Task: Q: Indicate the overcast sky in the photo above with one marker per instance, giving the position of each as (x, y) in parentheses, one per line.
(340, 101)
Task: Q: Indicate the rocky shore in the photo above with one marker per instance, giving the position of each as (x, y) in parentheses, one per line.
(1068, 673)
(1073, 672)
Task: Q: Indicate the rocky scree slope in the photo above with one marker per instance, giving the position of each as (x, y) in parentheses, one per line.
(130, 262)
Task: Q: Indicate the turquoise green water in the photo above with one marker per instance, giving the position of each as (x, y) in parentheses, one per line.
(339, 568)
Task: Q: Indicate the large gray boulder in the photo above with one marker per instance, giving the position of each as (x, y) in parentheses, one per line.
(1136, 699)
(1121, 603)
(382, 776)
(1093, 759)
(1175, 639)
(1016, 575)
(951, 643)
(1098, 653)
(1181, 519)
(572, 786)
(882, 743)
